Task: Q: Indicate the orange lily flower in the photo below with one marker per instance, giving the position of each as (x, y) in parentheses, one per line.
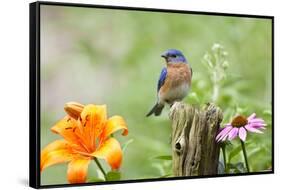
(87, 135)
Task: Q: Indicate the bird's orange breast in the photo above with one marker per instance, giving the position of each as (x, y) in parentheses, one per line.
(177, 74)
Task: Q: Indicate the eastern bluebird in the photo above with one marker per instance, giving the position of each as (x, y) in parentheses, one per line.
(174, 81)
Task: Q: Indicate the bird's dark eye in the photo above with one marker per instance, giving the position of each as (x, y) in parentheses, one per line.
(173, 55)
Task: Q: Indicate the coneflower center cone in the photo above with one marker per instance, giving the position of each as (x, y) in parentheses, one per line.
(239, 121)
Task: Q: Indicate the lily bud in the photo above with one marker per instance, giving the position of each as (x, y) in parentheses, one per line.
(73, 109)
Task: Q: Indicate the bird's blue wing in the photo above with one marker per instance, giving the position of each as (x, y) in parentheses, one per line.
(162, 78)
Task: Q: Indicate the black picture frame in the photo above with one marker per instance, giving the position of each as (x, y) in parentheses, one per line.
(34, 90)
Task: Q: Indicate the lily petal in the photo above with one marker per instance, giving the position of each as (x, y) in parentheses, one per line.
(242, 133)
(77, 170)
(114, 124)
(73, 109)
(93, 120)
(54, 153)
(67, 128)
(111, 151)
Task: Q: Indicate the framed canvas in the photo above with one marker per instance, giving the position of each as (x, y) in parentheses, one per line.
(126, 94)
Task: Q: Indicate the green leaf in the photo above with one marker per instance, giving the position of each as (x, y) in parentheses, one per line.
(113, 176)
(166, 175)
(233, 153)
(95, 179)
(267, 112)
(241, 110)
(125, 145)
(194, 96)
(240, 167)
(163, 157)
(236, 168)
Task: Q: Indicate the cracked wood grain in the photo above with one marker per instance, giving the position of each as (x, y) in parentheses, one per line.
(194, 129)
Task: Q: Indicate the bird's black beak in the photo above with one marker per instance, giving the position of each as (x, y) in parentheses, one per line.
(164, 56)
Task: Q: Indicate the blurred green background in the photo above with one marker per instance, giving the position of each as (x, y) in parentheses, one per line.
(112, 57)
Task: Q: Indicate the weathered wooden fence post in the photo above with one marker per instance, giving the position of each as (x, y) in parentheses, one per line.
(195, 151)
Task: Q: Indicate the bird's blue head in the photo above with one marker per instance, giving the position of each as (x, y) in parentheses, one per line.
(174, 56)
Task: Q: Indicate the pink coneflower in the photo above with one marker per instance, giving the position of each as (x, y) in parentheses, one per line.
(239, 127)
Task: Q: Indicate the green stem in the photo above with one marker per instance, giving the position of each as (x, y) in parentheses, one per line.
(224, 157)
(245, 155)
(215, 88)
(100, 167)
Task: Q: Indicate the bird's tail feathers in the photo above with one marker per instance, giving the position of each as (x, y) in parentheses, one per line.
(157, 109)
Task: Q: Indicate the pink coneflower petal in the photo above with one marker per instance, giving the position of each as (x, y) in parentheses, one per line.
(223, 133)
(256, 120)
(224, 138)
(240, 126)
(242, 133)
(228, 124)
(233, 133)
(257, 125)
(252, 116)
(252, 129)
